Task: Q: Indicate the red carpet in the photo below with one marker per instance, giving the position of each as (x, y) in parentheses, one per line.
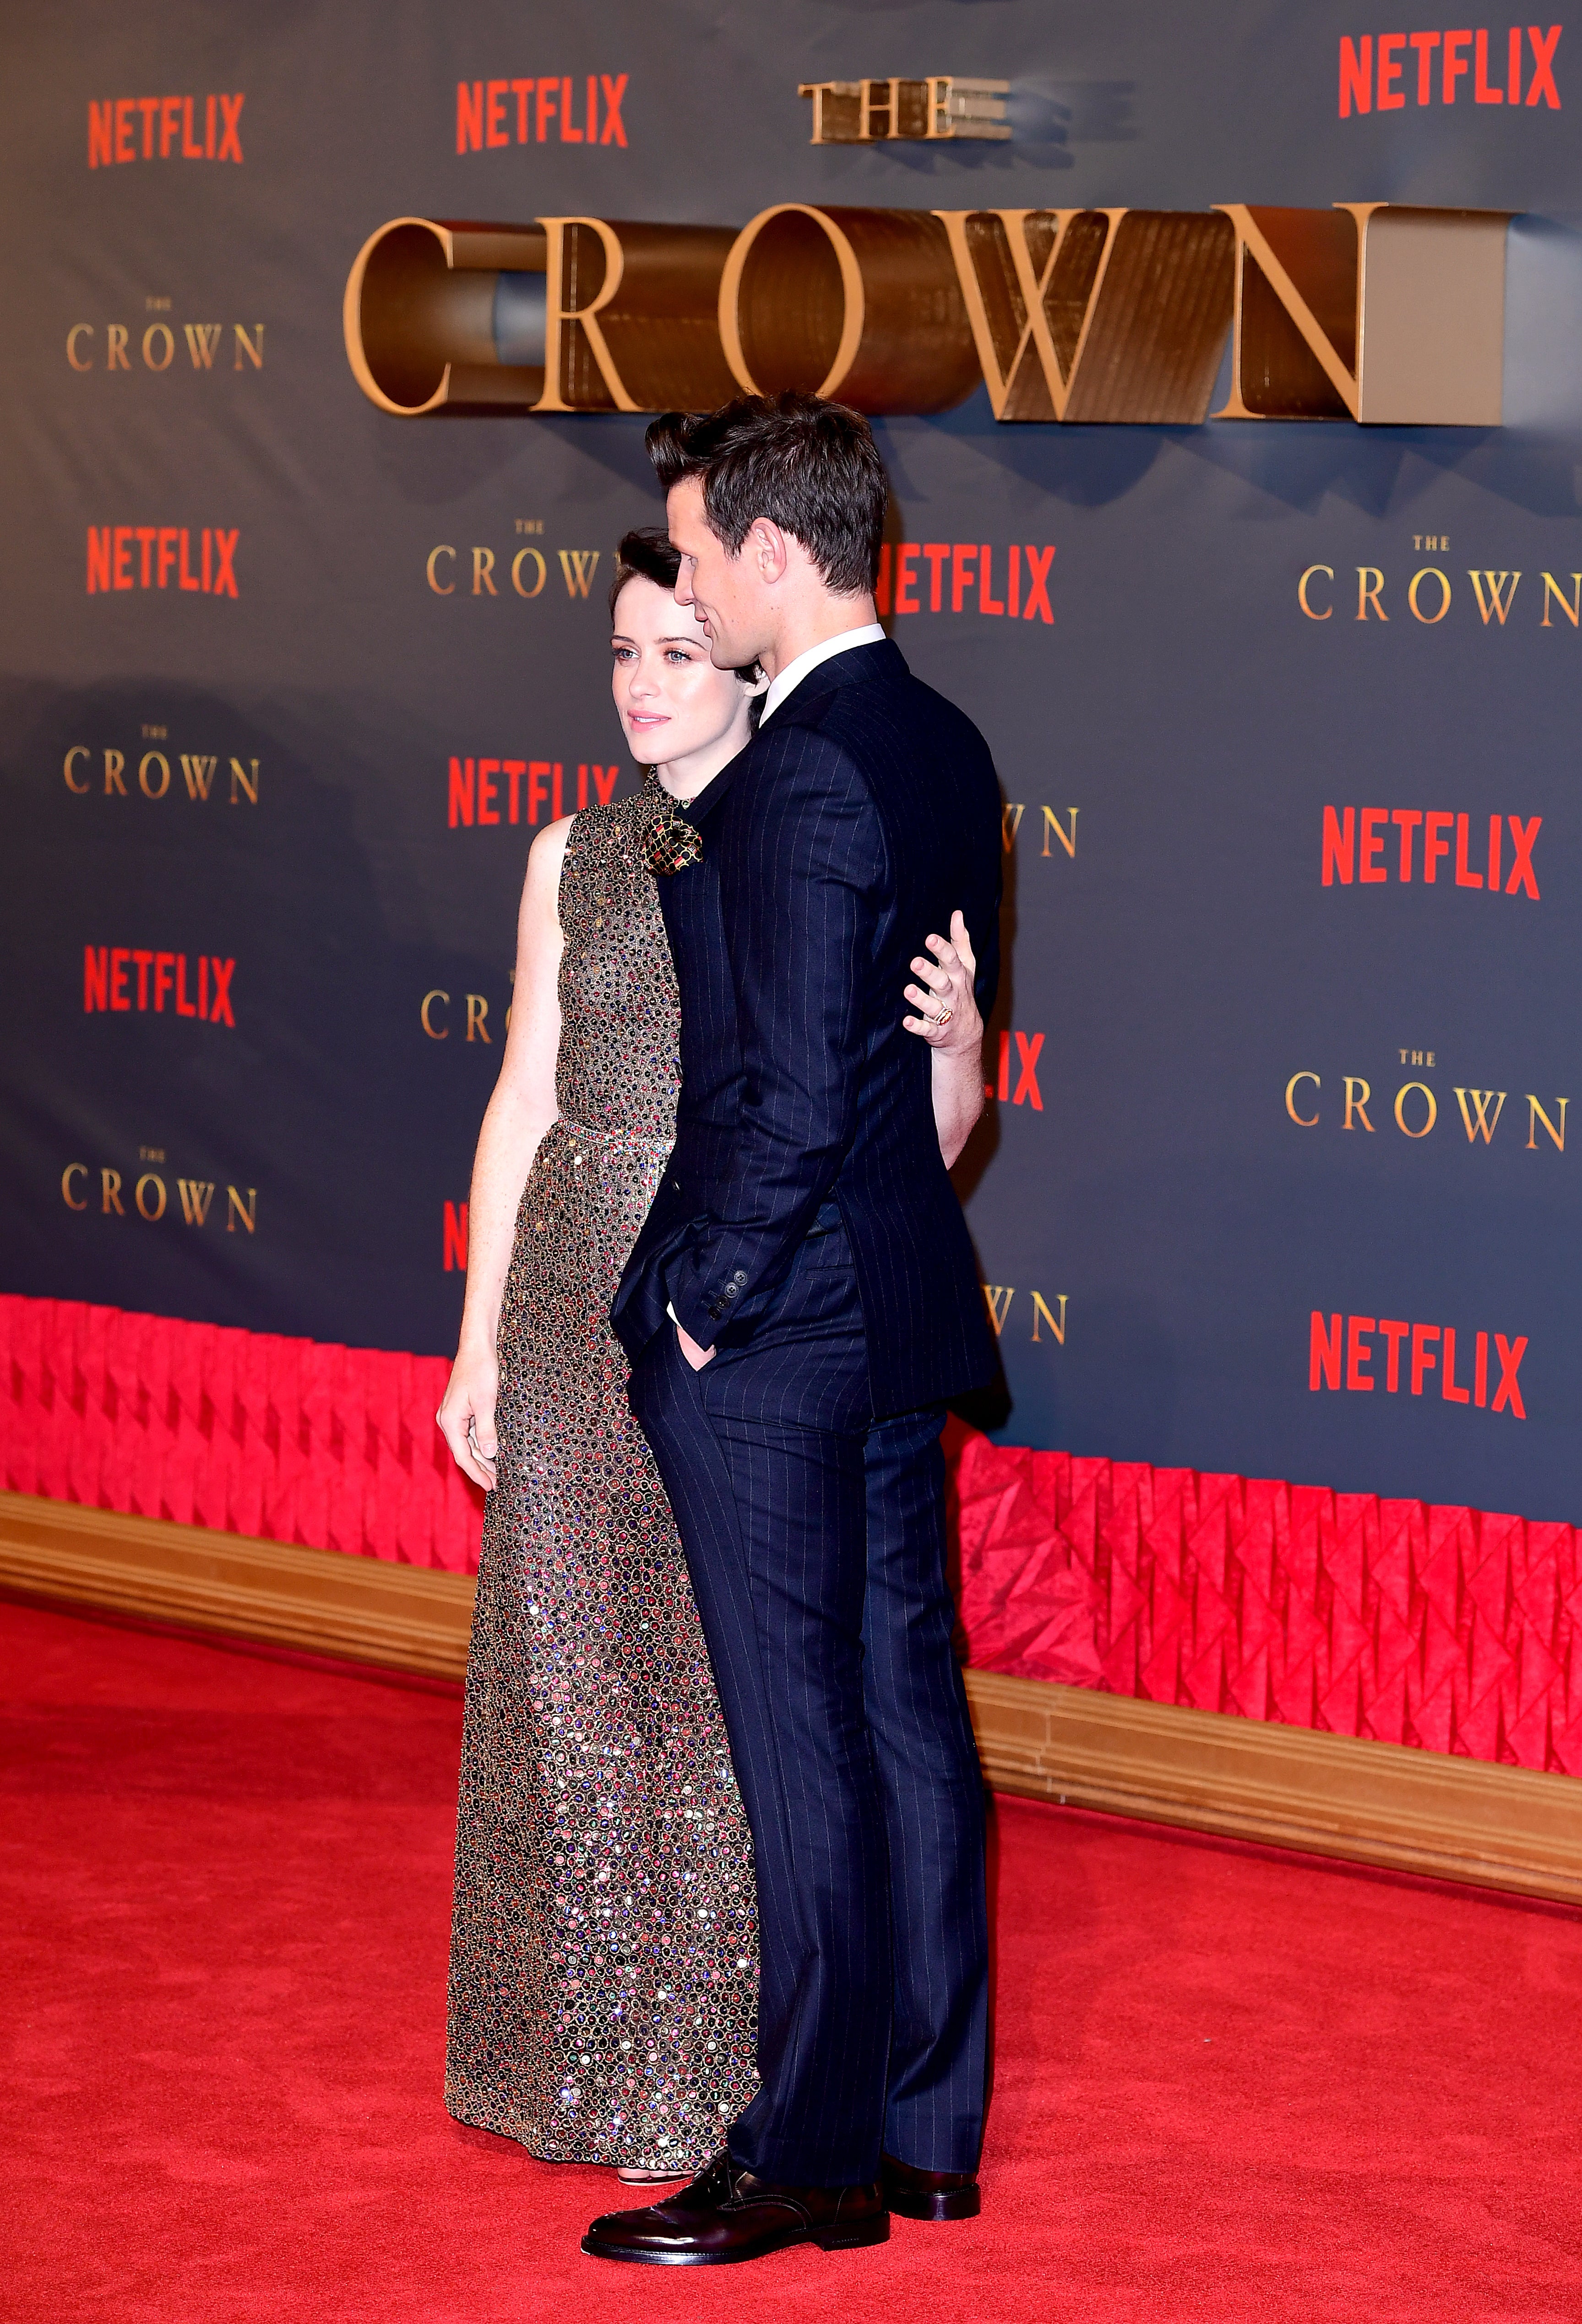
(1231, 2085)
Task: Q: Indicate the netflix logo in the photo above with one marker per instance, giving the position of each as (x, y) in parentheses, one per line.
(164, 554)
(965, 571)
(173, 128)
(111, 971)
(1355, 842)
(1348, 1357)
(1378, 71)
(490, 113)
(1026, 1091)
(453, 1237)
(496, 790)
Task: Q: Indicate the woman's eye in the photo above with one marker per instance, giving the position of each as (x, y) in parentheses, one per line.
(622, 653)
(680, 653)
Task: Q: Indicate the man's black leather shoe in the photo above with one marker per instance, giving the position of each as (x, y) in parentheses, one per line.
(729, 2214)
(929, 2194)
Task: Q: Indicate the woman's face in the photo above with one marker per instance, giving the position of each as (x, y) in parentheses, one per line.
(673, 703)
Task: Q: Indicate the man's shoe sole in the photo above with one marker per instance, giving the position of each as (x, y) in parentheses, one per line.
(957, 2203)
(860, 2234)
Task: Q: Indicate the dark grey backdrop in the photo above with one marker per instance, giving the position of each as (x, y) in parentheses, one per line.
(1180, 968)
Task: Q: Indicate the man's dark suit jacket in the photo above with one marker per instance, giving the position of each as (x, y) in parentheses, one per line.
(864, 811)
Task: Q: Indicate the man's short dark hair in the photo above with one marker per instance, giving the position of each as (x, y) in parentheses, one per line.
(810, 467)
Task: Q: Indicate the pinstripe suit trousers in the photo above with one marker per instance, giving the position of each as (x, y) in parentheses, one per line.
(815, 1540)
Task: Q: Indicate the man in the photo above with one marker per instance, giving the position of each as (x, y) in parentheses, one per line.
(801, 1300)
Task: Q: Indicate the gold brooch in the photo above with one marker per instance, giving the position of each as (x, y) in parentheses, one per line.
(672, 843)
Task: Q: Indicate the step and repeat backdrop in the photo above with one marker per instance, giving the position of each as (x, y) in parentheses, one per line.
(1227, 364)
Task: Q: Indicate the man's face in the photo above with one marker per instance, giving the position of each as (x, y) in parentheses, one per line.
(726, 593)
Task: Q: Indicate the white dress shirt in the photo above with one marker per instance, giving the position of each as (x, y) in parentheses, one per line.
(870, 634)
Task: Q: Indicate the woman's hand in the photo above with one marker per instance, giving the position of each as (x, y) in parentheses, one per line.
(467, 1416)
(947, 1018)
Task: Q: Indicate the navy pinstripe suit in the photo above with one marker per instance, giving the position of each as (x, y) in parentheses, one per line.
(806, 1229)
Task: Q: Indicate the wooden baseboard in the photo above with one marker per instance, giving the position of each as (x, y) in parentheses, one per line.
(364, 1609)
(1382, 1803)
(1370, 1802)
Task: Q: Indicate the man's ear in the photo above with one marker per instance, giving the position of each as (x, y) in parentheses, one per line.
(769, 547)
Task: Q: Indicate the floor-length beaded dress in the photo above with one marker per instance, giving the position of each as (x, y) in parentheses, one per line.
(603, 1965)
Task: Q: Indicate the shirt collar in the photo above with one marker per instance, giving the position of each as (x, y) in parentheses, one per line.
(793, 675)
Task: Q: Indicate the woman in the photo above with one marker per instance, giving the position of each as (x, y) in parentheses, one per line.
(603, 1971)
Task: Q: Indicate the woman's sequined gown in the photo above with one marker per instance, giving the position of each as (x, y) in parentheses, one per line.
(603, 1963)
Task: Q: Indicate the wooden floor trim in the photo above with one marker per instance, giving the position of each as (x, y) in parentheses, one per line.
(1423, 1811)
(1370, 1802)
(364, 1609)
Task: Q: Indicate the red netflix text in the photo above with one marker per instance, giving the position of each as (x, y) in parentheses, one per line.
(163, 558)
(1348, 1350)
(582, 111)
(454, 1233)
(964, 570)
(496, 790)
(1024, 1090)
(1380, 72)
(1373, 844)
(117, 979)
(173, 128)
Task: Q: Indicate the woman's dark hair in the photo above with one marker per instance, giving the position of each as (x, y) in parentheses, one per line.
(646, 555)
(811, 467)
